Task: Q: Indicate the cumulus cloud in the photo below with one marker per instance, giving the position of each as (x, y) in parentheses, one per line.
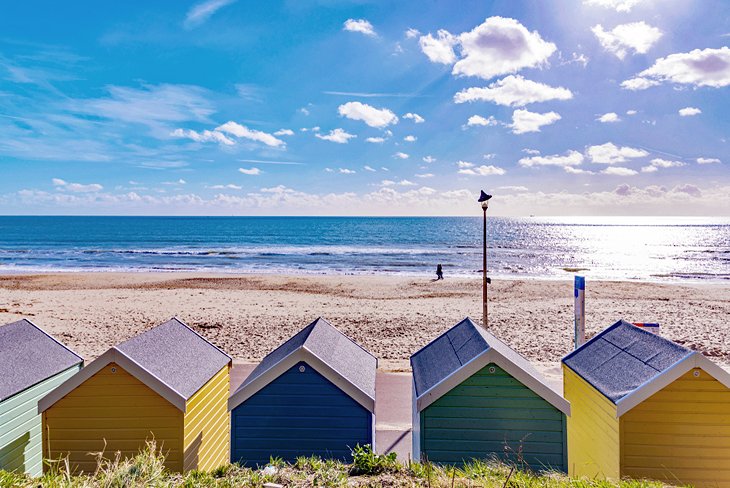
(700, 67)
(346, 171)
(664, 163)
(617, 5)
(374, 117)
(241, 131)
(689, 111)
(609, 117)
(425, 175)
(412, 33)
(284, 132)
(649, 169)
(465, 164)
(483, 170)
(571, 158)
(631, 112)
(376, 140)
(229, 186)
(439, 49)
(619, 171)
(410, 138)
(524, 121)
(336, 135)
(76, 187)
(513, 188)
(428, 159)
(397, 183)
(250, 171)
(204, 136)
(708, 160)
(638, 37)
(401, 155)
(496, 47)
(577, 171)
(414, 117)
(479, 120)
(359, 25)
(514, 90)
(609, 153)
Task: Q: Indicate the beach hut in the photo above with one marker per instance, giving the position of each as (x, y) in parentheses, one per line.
(646, 407)
(32, 364)
(168, 384)
(474, 398)
(313, 395)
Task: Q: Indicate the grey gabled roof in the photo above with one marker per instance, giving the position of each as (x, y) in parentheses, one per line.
(338, 355)
(28, 356)
(462, 351)
(176, 355)
(624, 357)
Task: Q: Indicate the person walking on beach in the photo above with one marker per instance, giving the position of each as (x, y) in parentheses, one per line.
(439, 272)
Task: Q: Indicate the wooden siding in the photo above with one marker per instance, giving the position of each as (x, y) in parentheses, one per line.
(298, 414)
(681, 434)
(111, 411)
(492, 414)
(207, 425)
(21, 447)
(593, 430)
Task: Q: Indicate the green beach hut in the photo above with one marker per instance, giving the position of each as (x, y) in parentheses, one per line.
(32, 364)
(476, 398)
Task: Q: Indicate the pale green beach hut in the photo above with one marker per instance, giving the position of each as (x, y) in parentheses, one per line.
(32, 363)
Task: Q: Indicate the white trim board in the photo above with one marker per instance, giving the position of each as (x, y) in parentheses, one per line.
(288, 362)
(113, 355)
(534, 383)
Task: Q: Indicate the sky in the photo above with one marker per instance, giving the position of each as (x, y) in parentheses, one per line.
(225, 107)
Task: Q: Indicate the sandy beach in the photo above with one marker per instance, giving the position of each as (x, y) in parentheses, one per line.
(392, 316)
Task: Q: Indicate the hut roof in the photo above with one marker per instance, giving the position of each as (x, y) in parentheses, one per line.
(463, 350)
(340, 360)
(624, 357)
(28, 355)
(172, 359)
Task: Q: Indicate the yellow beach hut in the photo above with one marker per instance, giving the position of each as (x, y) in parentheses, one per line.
(168, 384)
(646, 407)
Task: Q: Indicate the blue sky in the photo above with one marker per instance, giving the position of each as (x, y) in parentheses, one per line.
(223, 107)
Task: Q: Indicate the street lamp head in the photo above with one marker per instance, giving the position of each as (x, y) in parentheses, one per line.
(485, 204)
(484, 199)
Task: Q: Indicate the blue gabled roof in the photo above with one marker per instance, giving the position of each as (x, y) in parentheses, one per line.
(623, 357)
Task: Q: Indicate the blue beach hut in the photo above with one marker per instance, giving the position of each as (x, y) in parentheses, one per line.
(313, 395)
(32, 363)
(474, 398)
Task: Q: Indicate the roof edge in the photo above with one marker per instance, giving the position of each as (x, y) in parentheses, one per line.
(81, 359)
(176, 319)
(440, 336)
(592, 340)
(345, 335)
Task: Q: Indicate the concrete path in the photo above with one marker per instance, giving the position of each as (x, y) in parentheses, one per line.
(392, 408)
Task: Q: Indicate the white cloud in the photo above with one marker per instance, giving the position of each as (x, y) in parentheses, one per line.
(609, 153)
(412, 33)
(359, 25)
(631, 112)
(513, 188)
(577, 171)
(397, 183)
(250, 171)
(701, 67)
(337, 135)
(617, 5)
(401, 155)
(649, 169)
(514, 90)
(708, 160)
(204, 136)
(428, 159)
(369, 168)
(346, 171)
(410, 138)
(571, 158)
(489, 156)
(664, 163)
(76, 187)
(465, 164)
(619, 171)
(229, 186)
(439, 49)
(609, 117)
(425, 175)
(304, 111)
(284, 132)
(531, 152)
(375, 140)
(638, 37)
(374, 117)
(244, 132)
(200, 12)
(525, 121)
(415, 117)
(689, 111)
(483, 171)
(479, 120)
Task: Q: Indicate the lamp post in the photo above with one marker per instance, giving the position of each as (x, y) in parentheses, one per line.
(484, 200)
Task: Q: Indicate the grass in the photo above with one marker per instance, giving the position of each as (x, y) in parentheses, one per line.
(368, 470)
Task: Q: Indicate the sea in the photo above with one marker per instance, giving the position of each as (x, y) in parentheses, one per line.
(603, 248)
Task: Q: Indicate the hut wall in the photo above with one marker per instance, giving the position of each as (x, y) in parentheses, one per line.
(298, 414)
(112, 412)
(493, 414)
(207, 425)
(681, 434)
(21, 447)
(593, 430)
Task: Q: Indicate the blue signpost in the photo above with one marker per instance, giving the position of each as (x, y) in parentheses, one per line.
(580, 310)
